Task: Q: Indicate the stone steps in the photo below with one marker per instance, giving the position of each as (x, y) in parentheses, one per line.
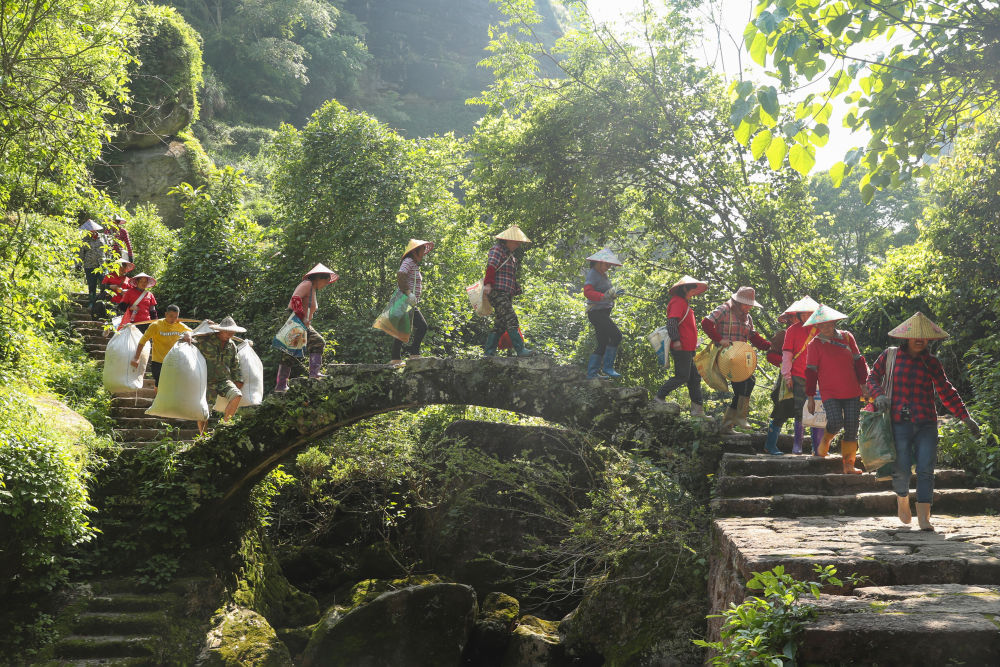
(146, 435)
(950, 501)
(106, 646)
(829, 484)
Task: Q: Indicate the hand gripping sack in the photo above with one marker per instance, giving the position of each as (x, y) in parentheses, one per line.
(480, 303)
(119, 375)
(291, 337)
(253, 379)
(395, 319)
(875, 438)
(183, 381)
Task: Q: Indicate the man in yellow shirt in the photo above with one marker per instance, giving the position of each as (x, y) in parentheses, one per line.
(164, 333)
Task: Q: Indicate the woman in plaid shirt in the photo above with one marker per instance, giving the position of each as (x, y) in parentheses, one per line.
(916, 375)
(500, 287)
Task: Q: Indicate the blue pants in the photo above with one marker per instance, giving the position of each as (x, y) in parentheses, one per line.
(915, 443)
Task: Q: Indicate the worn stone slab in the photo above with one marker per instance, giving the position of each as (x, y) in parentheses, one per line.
(905, 625)
(952, 501)
(823, 484)
(734, 464)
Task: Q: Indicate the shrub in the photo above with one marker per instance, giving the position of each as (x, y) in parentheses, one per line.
(152, 241)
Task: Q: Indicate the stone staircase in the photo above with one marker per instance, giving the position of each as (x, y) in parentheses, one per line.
(929, 598)
(133, 427)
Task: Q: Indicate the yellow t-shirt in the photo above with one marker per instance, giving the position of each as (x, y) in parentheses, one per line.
(163, 336)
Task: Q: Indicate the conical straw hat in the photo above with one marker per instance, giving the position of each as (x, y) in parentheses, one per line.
(227, 324)
(919, 326)
(320, 268)
(605, 255)
(152, 280)
(825, 314)
(90, 226)
(416, 243)
(699, 285)
(512, 233)
(806, 304)
(738, 361)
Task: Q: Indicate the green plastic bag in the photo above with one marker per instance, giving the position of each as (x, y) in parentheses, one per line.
(705, 362)
(395, 319)
(875, 440)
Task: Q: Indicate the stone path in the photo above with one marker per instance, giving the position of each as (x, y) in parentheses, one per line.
(930, 598)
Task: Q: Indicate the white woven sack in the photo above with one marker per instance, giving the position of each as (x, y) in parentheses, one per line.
(816, 420)
(660, 340)
(183, 381)
(253, 379)
(119, 375)
(480, 303)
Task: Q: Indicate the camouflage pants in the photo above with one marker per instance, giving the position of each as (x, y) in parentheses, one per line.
(504, 317)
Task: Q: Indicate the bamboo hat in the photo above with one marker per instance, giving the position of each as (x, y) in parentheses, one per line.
(919, 326)
(320, 268)
(746, 295)
(122, 263)
(512, 233)
(605, 255)
(699, 285)
(90, 226)
(416, 243)
(152, 280)
(806, 304)
(738, 361)
(825, 314)
(227, 324)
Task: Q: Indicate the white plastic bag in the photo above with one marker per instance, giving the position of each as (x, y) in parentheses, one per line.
(119, 375)
(815, 420)
(480, 302)
(253, 379)
(660, 340)
(183, 381)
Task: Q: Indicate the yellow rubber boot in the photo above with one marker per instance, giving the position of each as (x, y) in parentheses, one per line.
(849, 453)
(824, 446)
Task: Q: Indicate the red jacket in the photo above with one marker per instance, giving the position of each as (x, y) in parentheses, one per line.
(120, 281)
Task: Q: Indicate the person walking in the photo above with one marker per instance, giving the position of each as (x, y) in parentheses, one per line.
(683, 342)
(835, 363)
(500, 286)
(225, 377)
(139, 299)
(304, 304)
(163, 333)
(92, 258)
(601, 295)
(916, 376)
(118, 282)
(121, 239)
(730, 323)
(410, 282)
(789, 394)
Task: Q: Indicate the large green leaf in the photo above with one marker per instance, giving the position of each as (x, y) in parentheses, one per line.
(760, 143)
(776, 152)
(802, 158)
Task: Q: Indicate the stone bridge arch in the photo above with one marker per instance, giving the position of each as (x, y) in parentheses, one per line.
(221, 470)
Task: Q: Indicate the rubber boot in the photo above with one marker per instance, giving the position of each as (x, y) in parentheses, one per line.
(771, 445)
(593, 366)
(315, 366)
(903, 508)
(924, 516)
(518, 343)
(824, 446)
(284, 370)
(697, 410)
(490, 348)
(815, 435)
(728, 421)
(609, 362)
(742, 412)
(799, 433)
(848, 454)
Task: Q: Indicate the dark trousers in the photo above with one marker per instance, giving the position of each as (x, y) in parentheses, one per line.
(744, 388)
(504, 317)
(684, 373)
(607, 332)
(416, 336)
(94, 278)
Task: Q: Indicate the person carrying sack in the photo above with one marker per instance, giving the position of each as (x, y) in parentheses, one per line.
(141, 304)
(500, 286)
(222, 359)
(163, 334)
(304, 305)
(916, 376)
(835, 363)
(683, 343)
(601, 295)
(410, 282)
(789, 394)
(729, 323)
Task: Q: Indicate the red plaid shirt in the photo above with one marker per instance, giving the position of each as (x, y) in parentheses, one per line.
(723, 322)
(503, 277)
(914, 380)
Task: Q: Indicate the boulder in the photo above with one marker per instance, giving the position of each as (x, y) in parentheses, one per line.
(535, 643)
(241, 637)
(416, 626)
(491, 635)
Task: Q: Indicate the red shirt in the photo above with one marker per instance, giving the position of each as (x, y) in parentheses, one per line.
(836, 364)
(795, 341)
(121, 281)
(142, 313)
(678, 308)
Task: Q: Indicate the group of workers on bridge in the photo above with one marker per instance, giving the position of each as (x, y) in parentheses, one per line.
(817, 361)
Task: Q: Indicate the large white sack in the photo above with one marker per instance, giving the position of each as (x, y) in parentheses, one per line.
(253, 379)
(183, 381)
(119, 375)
